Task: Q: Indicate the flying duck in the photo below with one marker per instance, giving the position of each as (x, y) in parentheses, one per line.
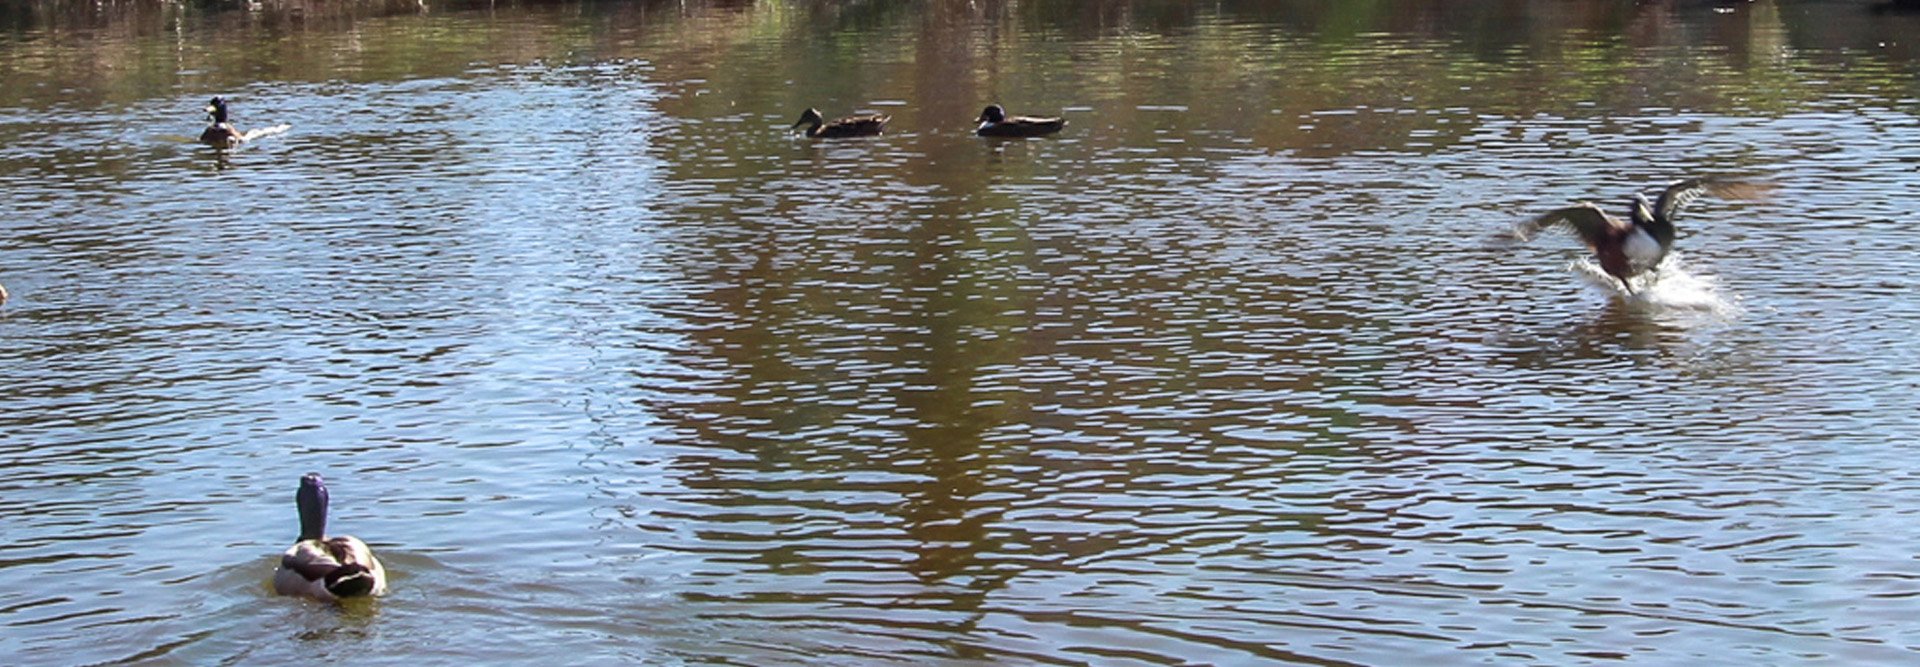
(326, 568)
(851, 126)
(994, 122)
(1627, 248)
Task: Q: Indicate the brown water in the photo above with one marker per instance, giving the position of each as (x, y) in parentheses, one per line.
(612, 369)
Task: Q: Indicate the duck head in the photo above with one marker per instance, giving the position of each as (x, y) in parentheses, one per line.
(810, 117)
(312, 501)
(217, 110)
(1642, 209)
(992, 114)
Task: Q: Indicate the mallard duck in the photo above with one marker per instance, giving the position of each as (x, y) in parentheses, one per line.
(1630, 247)
(994, 122)
(220, 133)
(851, 126)
(326, 568)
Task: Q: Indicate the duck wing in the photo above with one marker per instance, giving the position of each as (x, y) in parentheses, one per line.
(336, 567)
(1024, 126)
(1681, 193)
(359, 572)
(349, 550)
(313, 560)
(855, 126)
(304, 569)
(1593, 225)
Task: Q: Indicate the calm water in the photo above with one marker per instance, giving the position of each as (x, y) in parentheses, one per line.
(608, 365)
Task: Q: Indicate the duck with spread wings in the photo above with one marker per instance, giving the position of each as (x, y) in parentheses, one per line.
(1627, 248)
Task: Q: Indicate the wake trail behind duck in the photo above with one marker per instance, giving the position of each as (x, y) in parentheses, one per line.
(259, 132)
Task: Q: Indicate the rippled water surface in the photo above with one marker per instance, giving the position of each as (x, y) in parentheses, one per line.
(1238, 369)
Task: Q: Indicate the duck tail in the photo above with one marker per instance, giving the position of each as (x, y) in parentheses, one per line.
(352, 580)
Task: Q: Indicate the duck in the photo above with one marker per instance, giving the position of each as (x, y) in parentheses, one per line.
(850, 126)
(1628, 248)
(220, 133)
(326, 568)
(994, 122)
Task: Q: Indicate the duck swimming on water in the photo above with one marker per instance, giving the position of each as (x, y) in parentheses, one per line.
(326, 568)
(220, 132)
(994, 122)
(850, 126)
(1627, 248)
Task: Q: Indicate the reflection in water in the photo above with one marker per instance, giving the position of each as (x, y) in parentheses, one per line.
(1226, 372)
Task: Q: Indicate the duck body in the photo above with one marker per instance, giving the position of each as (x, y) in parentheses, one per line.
(994, 122)
(1624, 248)
(1628, 248)
(851, 126)
(222, 136)
(326, 568)
(330, 569)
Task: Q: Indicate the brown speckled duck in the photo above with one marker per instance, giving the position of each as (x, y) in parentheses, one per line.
(850, 126)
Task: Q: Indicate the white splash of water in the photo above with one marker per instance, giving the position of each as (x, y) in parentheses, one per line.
(1668, 287)
(258, 132)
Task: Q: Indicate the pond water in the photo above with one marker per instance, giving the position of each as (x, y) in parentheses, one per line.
(607, 364)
